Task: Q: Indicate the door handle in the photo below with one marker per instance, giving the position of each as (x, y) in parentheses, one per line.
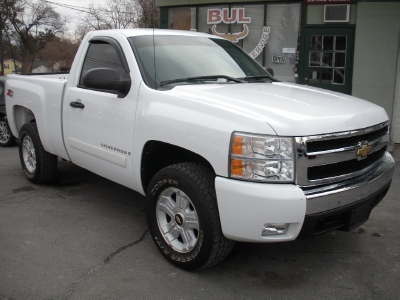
(76, 104)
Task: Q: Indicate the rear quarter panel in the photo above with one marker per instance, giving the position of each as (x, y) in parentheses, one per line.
(43, 96)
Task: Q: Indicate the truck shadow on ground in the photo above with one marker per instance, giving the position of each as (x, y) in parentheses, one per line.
(72, 179)
(329, 259)
(339, 260)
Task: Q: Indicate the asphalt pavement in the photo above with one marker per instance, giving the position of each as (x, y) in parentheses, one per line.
(84, 237)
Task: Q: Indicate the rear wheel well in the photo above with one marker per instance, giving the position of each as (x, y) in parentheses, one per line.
(22, 115)
(157, 155)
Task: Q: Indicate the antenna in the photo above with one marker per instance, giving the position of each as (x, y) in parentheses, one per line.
(155, 70)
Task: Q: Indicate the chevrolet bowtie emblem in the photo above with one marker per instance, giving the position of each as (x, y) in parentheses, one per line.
(365, 149)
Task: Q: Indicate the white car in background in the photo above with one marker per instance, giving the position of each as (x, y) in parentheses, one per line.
(6, 137)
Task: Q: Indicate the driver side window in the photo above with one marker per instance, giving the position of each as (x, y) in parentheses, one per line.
(102, 55)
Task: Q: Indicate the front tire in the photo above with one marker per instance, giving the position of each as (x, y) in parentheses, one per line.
(39, 165)
(183, 219)
(6, 137)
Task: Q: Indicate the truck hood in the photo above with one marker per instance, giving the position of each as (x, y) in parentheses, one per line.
(290, 109)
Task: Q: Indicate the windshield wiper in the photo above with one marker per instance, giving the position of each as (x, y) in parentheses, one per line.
(261, 76)
(188, 79)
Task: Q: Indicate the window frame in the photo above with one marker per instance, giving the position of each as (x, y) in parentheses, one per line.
(121, 55)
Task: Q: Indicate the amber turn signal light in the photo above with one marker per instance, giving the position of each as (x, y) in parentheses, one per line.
(237, 145)
(236, 167)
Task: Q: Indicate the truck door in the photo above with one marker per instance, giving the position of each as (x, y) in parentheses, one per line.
(99, 123)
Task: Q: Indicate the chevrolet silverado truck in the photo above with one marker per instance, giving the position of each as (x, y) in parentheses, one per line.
(222, 150)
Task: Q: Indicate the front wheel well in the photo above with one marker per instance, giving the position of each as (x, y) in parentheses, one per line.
(157, 155)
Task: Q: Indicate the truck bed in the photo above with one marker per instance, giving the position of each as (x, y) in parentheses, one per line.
(43, 95)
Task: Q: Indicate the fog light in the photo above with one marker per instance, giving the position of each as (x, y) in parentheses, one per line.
(274, 229)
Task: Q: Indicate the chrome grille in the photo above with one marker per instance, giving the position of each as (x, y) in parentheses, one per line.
(316, 146)
(334, 157)
(344, 167)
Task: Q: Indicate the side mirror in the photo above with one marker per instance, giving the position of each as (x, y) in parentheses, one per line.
(270, 71)
(106, 79)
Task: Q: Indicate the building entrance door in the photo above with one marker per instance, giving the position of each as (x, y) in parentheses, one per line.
(329, 53)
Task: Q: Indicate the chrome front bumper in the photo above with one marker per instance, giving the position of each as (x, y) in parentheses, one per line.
(246, 208)
(337, 195)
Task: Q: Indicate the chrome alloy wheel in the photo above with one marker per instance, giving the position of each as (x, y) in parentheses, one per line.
(5, 134)
(177, 220)
(28, 154)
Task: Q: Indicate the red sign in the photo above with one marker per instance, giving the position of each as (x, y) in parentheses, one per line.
(328, 1)
(236, 15)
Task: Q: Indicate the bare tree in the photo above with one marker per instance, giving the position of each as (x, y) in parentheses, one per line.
(149, 14)
(3, 19)
(11, 47)
(35, 23)
(5, 6)
(115, 14)
(80, 32)
(60, 52)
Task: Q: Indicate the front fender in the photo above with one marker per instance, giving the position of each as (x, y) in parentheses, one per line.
(195, 124)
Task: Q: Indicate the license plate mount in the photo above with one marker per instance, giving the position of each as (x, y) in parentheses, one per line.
(357, 216)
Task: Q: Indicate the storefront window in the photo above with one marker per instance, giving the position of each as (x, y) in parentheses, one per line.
(210, 19)
(281, 51)
(255, 28)
(182, 18)
(272, 40)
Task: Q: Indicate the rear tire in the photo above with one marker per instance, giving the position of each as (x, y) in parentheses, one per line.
(6, 137)
(39, 165)
(183, 218)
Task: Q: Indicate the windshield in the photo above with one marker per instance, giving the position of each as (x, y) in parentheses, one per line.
(189, 60)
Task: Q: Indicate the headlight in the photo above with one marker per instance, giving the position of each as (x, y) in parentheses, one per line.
(261, 158)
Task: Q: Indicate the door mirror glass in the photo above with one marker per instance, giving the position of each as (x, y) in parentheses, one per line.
(105, 79)
(105, 68)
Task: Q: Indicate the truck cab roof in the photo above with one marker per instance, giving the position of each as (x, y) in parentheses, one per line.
(150, 31)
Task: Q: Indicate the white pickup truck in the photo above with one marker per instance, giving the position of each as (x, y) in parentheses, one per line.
(222, 150)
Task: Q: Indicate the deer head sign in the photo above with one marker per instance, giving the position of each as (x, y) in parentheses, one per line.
(234, 15)
(233, 37)
(237, 15)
